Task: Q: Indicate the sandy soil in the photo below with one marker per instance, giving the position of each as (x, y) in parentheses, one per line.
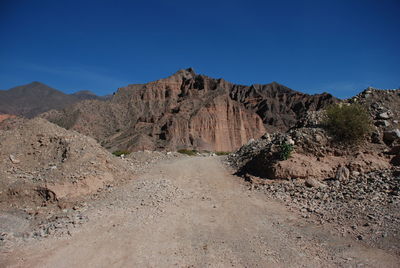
(191, 212)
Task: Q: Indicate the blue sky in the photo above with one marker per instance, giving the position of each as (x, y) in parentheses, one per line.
(313, 46)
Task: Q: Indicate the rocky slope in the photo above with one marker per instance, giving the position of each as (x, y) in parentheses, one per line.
(316, 154)
(383, 106)
(35, 98)
(356, 188)
(187, 110)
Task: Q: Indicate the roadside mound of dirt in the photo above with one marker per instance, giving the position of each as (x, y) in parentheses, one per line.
(51, 176)
(41, 162)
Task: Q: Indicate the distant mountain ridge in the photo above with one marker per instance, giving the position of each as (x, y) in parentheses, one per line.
(187, 110)
(35, 98)
(89, 95)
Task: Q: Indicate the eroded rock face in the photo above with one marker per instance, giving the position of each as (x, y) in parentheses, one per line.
(187, 110)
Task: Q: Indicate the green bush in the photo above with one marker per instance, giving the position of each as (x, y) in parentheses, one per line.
(119, 153)
(286, 150)
(222, 153)
(188, 152)
(347, 123)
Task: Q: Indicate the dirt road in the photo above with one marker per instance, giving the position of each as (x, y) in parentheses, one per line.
(190, 212)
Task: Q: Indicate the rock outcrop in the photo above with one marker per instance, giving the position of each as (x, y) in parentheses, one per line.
(315, 156)
(187, 110)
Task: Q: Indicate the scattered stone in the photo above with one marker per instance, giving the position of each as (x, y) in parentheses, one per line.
(342, 174)
(376, 137)
(368, 199)
(13, 159)
(382, 123)
(310, 182)
(384, 116)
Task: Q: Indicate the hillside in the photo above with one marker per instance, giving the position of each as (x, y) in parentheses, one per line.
(187, 110)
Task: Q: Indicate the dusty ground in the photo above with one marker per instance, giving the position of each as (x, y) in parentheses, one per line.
(190, 212)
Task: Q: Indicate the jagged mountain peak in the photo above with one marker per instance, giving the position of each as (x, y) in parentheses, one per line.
(182, 74)
(185, 72)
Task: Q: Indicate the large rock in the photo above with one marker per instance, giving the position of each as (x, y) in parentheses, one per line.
(391, 136)
(384, 116)
(342, 173)
(395, 150)
(395, 160)
(310, 182)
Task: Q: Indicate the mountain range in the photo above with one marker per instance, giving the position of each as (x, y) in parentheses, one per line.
(35, 98)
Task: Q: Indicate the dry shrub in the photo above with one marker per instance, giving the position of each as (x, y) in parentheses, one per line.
(348, 124)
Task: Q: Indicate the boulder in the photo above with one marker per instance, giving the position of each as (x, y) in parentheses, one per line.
(395, 160)
(382, 123)
(390, 136)
(342, 173)
(384, 116)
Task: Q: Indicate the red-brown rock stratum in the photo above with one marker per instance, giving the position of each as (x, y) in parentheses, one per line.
(187, 110)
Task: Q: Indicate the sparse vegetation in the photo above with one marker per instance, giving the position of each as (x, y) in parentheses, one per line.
(222, 153)
(285, 151)
(348, 124)
(119, 153)
(188, 152)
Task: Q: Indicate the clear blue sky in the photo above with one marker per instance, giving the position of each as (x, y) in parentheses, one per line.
(312, 46)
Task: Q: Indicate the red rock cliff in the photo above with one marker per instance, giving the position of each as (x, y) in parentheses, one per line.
(187, 110)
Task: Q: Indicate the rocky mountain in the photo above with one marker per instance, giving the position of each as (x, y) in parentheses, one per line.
(187, 110)
(35, 98)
